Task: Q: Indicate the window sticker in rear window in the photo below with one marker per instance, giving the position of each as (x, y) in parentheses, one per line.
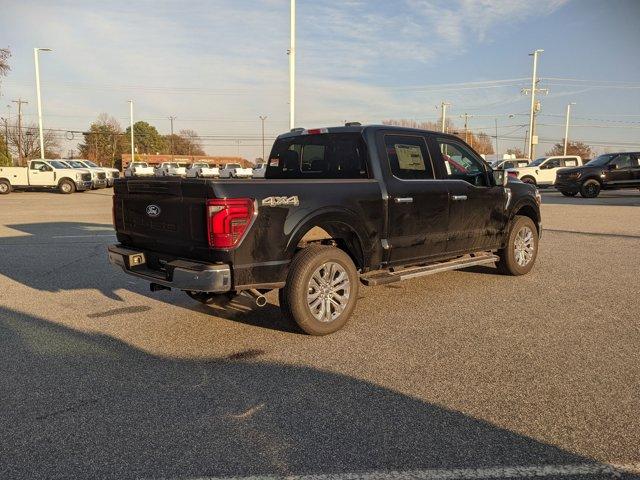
(409, 157)
(274, 162)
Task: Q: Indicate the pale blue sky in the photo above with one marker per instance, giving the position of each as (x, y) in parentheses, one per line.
(218, 64)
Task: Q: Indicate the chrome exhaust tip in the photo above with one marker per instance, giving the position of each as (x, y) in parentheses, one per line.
(260, 299)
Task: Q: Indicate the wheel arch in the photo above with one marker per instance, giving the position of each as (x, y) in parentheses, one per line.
(528, 210)
(338, 226)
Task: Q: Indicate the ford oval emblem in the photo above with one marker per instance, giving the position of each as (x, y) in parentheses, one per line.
(153, 211)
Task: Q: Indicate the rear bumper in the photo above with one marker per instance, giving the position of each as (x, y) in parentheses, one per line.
(179, 274)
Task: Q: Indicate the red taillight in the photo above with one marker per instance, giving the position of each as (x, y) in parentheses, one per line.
(512, 174)
(227, 220)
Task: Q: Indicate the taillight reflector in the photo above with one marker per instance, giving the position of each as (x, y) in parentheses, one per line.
(228, 220)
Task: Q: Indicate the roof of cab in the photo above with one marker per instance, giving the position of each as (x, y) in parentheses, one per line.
(356, 129)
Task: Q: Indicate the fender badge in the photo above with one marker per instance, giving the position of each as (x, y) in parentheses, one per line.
(280, 201)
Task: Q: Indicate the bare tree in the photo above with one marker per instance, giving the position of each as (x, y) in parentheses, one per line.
(5, 53)
(30, 142)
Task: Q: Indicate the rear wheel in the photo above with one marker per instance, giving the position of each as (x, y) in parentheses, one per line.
(520, 253)
(590, 189)
(66, 186)
(5, 187)
(321, 290)
(568, 194)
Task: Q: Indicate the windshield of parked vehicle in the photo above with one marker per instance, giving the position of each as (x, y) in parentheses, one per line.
(56, 164)
(327, 155)
(537, 162)
(233, 165)
(139, 164)
(75, 164)
(601, 160)
(172, 165)
(90, 163)
(199, 165)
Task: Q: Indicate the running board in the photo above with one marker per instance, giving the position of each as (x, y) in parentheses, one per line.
(382, 278)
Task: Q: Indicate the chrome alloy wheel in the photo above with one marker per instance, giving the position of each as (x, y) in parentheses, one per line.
(4, 188)
(328, 292)
(66, 187)
(524, 246)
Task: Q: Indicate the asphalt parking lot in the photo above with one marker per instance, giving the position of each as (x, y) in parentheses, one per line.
(452, 375)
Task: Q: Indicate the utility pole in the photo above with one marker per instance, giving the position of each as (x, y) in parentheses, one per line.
(292, 68)
(443, 117)
(172, 118)
(263, 118)
(534, 82)
(566, 127)
(6, 131)
(37, 64)
(20, 102)
(466, 117)
(131, 120)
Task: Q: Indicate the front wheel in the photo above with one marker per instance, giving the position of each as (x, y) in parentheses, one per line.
(529, 180)
(5, 187)
(66, 187)
(521, 251)
(590, 189)
(321, 289)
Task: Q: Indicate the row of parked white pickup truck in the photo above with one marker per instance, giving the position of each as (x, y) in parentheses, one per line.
(194, 170)
(66, 176)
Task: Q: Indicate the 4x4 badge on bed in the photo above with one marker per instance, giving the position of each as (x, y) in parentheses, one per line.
(280, 201)
(153, 211)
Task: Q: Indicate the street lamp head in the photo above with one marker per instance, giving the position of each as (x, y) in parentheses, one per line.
(42, 49)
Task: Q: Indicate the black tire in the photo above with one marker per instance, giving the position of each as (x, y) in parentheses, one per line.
(509, 264)
(590, 189)
(568, 194)
(293, 297)
(5, 187)
(529, 180)
(66, 186)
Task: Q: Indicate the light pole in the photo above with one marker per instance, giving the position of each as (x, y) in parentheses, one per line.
(37, 64)
(566, 127)
(534, 80)
(443, 107)
(262, 119)
(131, 128)
(511, 115)
(292, 68)
(172, 118)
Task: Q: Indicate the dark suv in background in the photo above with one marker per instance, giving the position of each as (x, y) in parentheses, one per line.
(610, 171)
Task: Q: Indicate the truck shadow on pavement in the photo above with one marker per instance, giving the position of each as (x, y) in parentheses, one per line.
(78, 405)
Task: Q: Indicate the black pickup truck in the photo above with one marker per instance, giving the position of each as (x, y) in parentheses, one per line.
(338, 207)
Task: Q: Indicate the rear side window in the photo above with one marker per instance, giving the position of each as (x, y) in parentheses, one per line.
(570, 162)
(330, 155)
(408, 157)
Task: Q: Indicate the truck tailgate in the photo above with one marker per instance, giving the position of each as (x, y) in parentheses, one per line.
(164, 214)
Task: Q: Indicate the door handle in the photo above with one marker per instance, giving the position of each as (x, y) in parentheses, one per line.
(403, 199)
(458, 198)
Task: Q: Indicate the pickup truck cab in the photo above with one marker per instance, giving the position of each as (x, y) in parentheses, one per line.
(45, 174)
(98, 177)
(202, 170)
(610, 171)
(542, 171)
(259, 170)
(338, 207)
(170, 169)
(139, 169)
(235, 170)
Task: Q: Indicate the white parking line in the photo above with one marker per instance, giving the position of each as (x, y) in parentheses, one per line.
(580, 469)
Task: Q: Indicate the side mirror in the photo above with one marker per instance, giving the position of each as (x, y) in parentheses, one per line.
(501, 177)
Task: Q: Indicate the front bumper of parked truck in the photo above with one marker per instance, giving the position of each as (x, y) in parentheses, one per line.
(180, 274)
